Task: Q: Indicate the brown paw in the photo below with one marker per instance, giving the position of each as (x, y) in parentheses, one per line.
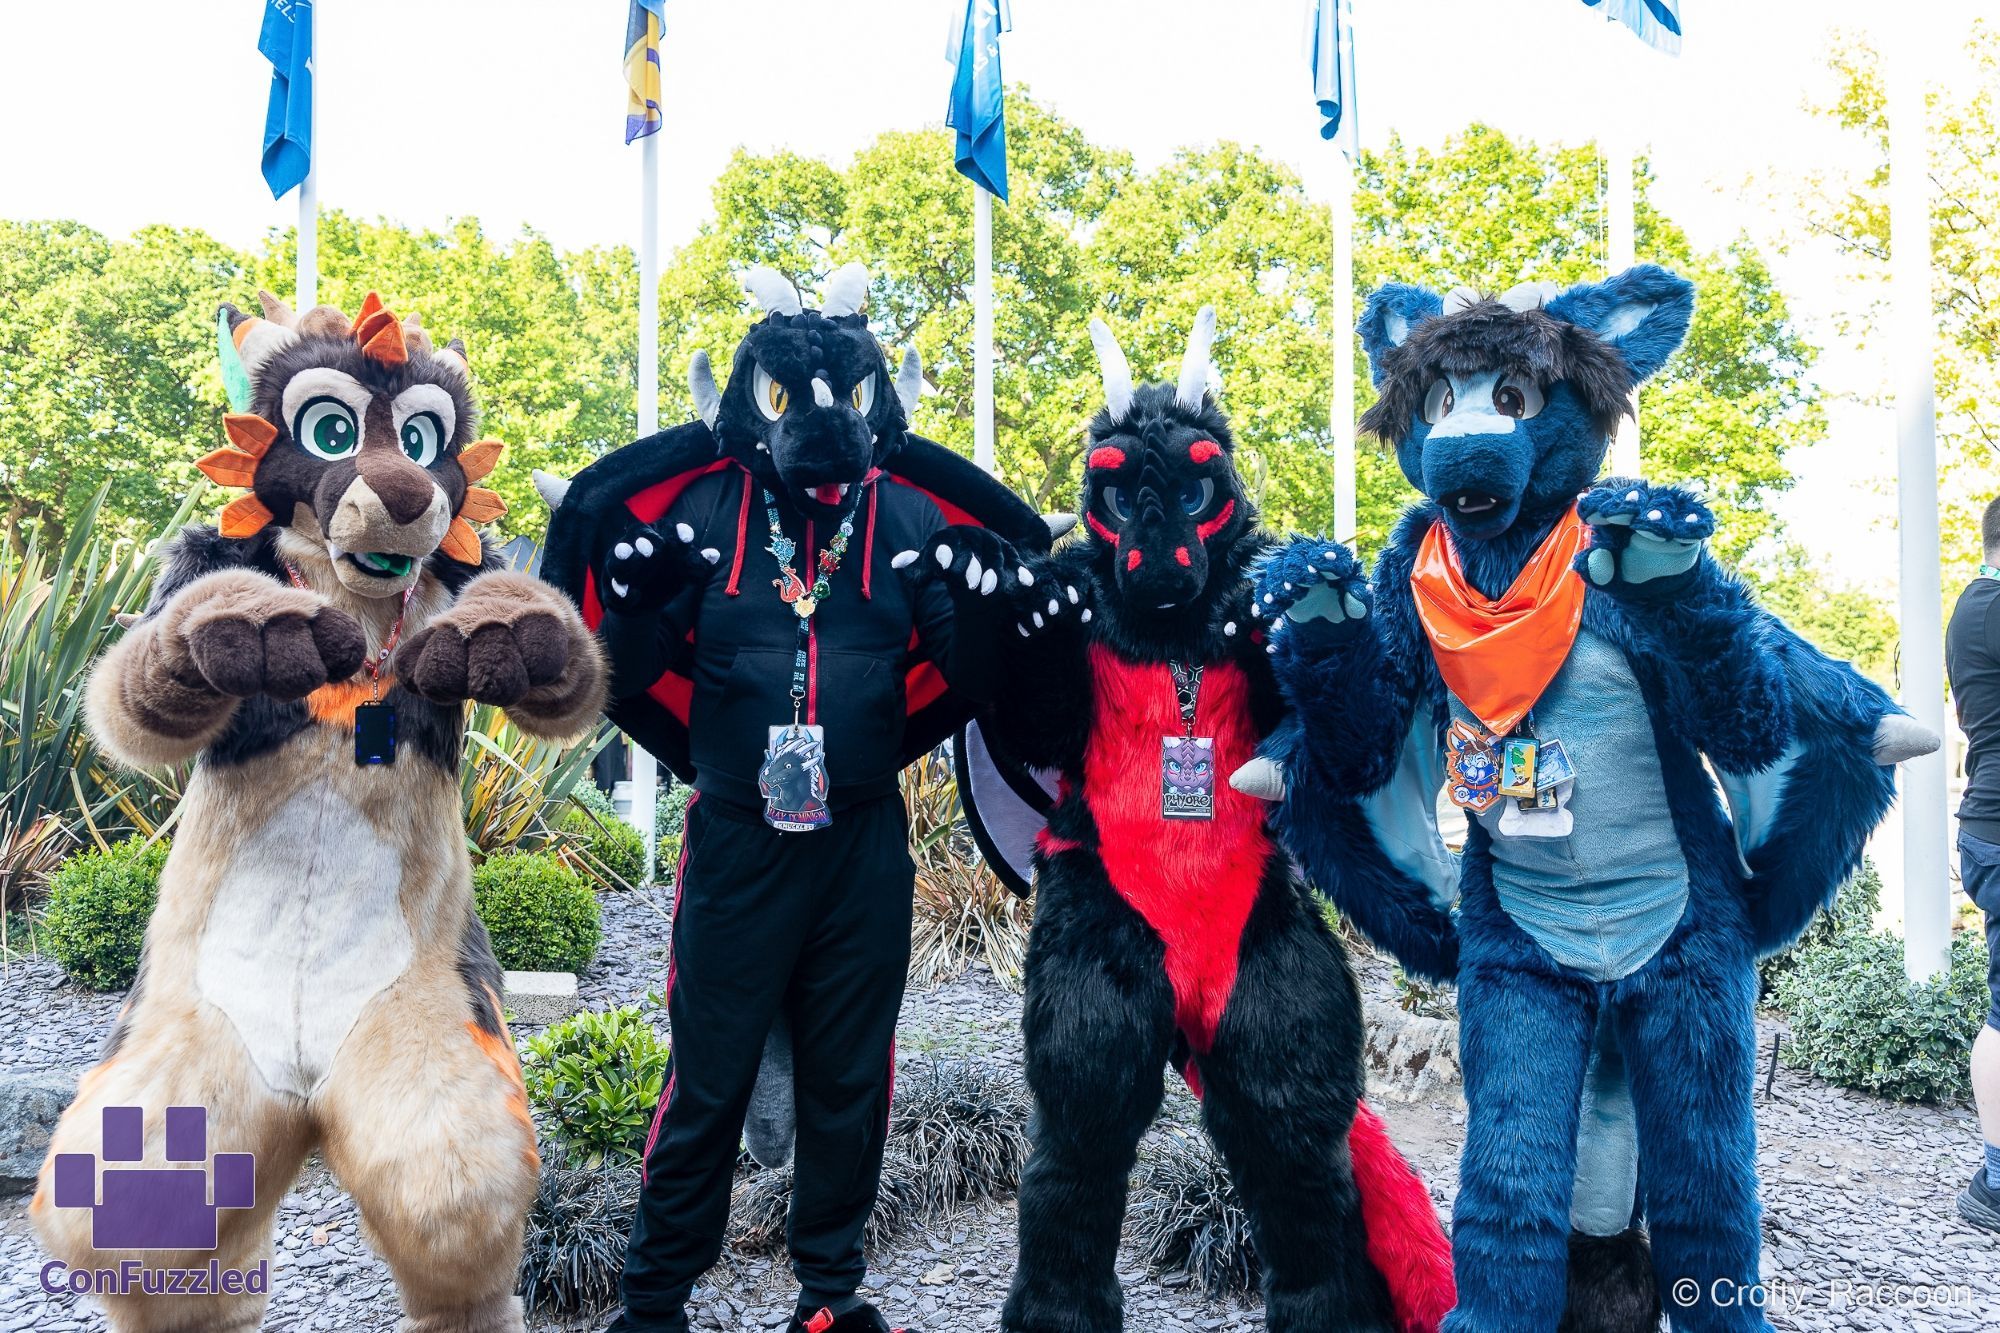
(244, 640)
(498, 662)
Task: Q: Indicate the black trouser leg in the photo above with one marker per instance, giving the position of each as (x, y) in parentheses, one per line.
(843, 1002)
(1280, 1084)
(736, 933)
(1099, 1023)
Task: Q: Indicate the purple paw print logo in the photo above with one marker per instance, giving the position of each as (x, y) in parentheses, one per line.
(157, 1208)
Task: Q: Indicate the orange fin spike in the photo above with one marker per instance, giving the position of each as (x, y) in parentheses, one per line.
(245, 516)
(228, 467)
(370, 305)
(248, 432)
(479, 458)
(387, 345)
(461, 543)
(481, 505)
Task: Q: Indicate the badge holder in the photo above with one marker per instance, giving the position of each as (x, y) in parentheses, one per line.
(792, 778)
(1187, 761)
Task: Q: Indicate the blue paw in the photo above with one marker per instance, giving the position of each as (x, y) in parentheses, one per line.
(1642, 534)
(1315, 587)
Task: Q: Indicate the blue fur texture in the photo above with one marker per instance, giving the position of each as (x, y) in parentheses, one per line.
(1724, 684)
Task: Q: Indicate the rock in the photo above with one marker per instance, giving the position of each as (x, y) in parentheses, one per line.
(1410, 1058)
(30, 1105)
(540, 997)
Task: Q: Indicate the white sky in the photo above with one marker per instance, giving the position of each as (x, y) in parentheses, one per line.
(126, 112)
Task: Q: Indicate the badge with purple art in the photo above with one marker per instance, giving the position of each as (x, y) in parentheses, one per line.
(1187, 777)
(793, 779)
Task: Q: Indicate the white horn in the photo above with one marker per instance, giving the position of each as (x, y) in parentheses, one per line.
(774, 295)
(846, 291)
(1059, 525)
(1194, 365)
(701, 383)
(1459, 298)
(1529, 295)
(1117, 370)
(551, 488)
(910, 382)
(822, 395)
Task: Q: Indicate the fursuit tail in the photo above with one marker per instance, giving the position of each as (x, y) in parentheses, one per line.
(1406, 1243)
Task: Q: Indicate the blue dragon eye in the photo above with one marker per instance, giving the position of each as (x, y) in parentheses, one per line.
(1196, 493)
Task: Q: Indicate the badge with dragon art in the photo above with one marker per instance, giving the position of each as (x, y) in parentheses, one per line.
(793, 779)
(1472, 775)
(1187, 777)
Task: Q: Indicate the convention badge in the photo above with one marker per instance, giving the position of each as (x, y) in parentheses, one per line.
(1472, 778)
(1517, 767)
(1187, 777)
(1553, 821)
(792, 778)
(1552, 766)
(374, 733)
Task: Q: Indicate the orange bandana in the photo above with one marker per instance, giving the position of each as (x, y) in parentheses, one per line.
(1498, 655)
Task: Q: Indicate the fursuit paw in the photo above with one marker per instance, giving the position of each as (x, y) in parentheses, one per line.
(244, 634)
(981, 570)
(506, 636)
(1642, 538)
(1313, 591)
(643, 569)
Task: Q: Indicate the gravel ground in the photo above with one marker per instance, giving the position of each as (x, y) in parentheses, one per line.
(1859, 1227)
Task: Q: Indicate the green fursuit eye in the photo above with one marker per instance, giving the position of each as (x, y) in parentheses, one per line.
(326, 428)
(423, 438)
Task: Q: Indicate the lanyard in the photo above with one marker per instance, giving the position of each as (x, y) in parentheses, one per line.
(794, 593)
(371, 669)
(1187, 692)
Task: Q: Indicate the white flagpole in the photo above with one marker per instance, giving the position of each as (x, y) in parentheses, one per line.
(646, 769)
(982, 331)
(1343, 346)
(1926, 882)
(1620, 226)
(306, 285)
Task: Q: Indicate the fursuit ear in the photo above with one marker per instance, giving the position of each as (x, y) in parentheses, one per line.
(1644, 312)
(243, 343)
(701, 383)
(1386, 321)
(910, 384)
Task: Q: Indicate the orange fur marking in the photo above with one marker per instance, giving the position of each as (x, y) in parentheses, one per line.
(248, 432)
(245, 516)
(335, 701)
(479, 457)
(461, 543)
(481, 505)
(242, 331)
(229, 467)
(499, 1049)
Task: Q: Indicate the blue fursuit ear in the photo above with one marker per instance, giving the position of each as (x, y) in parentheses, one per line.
(1394, 309)
(1643, 312)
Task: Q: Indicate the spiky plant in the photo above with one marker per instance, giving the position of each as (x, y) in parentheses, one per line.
(762, 1202)
(577, 1230)
(1186, 1216)
(515, 791)
(964, 1127)
(962, 910)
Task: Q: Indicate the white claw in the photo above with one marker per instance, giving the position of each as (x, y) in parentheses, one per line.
(1054, 606)
(642, 545)
(619, 588)
(1692, 518)
(1269, 599)
(1288, 588)
(1633, 496)
(1039, 622)
(1313, 570)
(1086, 615)
(1270, 647)
(987, 584)
(903, 560)
(1071, 594)
(710, 554)
(684, 532)
(1329, 556)
(972, 571)
(1023, 629)
(1229, 628)
(623, 550)
(763, 448)
(1026, 576)
(1653, 514)
(944, 556)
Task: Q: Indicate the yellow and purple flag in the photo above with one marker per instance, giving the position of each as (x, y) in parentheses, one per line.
(642, 67)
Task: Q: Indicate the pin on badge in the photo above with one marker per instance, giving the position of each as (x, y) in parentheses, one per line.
(1472, 776)
(1517, 767)
(1552, 766)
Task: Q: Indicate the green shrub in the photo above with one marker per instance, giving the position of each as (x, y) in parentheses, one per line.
(1853, 912)
(588, 795)
(99, 903)
(671, 813)
(594, 1080)
(611, 842)
(1858, 1021)
(541, 914)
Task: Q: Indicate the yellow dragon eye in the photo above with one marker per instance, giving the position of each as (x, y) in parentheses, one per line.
(778, 398)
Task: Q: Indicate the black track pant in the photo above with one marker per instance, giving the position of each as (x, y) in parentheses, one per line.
(819, 923)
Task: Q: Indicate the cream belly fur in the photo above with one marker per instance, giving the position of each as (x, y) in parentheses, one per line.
(305, 928)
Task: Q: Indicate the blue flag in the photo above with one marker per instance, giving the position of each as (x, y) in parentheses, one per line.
(978, 109)
(1330, 52)
(1658, 22)
(286, 41)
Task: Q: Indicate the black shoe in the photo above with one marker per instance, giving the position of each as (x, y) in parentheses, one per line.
(627, 1322)
(1979, 1202)
(860, 1317)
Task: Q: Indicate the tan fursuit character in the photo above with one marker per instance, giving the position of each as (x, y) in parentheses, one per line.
(314, 975)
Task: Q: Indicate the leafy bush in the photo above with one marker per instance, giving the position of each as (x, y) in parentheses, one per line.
(541, 914)
(616, 847)
(1186, 1216)
(1858, 1021)
(670, 816)
(99, 903)
(577, 1231)
(594, 1080)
